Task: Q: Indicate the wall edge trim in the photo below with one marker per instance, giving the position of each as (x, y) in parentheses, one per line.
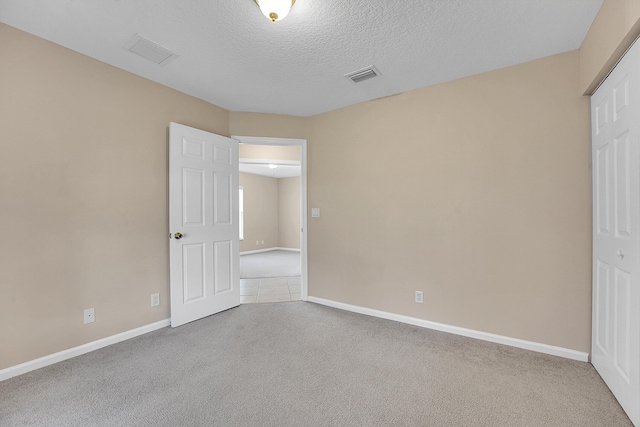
(32, 365)
(456, 330)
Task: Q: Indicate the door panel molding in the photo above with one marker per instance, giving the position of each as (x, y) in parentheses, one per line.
(203, 208)
(615, 118)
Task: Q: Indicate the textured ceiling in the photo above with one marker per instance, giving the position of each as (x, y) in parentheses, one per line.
(232, 56)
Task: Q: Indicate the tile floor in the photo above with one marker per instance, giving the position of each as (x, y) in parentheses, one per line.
(272, 289)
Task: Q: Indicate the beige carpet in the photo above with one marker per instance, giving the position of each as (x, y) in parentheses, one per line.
(301, 364)
(270, 264)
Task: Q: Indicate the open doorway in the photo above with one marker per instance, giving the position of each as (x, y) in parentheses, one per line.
(272, 214)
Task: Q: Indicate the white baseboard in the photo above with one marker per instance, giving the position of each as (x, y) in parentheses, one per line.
(257, 251)
(471, 333)
(32, 365)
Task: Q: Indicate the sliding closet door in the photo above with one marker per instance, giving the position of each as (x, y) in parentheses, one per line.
(615, 118)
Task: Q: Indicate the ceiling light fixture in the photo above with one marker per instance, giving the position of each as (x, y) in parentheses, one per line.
(275, 10)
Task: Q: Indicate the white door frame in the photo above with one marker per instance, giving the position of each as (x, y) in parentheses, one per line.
(292, 142)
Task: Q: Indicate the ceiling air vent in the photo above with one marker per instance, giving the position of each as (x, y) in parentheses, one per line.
(150, 50)
(363, 74)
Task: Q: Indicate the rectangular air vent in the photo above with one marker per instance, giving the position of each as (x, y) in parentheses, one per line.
(150, 50)
(363, 74)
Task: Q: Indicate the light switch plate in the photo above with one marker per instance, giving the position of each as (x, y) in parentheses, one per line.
(315, 212)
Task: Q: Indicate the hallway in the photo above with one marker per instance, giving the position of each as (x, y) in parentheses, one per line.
(272, 276)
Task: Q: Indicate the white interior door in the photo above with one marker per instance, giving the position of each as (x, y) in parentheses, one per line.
(615, 117)
(203, 221)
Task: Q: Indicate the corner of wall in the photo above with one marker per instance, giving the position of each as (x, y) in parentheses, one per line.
(613, 31)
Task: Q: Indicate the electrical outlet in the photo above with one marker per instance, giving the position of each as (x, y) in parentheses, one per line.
(155, 300)
(419, 297)
(263, 242)
(89, 316)
(257, 242)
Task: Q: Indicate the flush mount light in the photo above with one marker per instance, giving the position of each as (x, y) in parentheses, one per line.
(273, 166)
(275, 10)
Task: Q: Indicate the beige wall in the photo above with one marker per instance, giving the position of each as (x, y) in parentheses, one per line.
(268, 125)
(269, 152)
(476, 192)
(616, 26)
(83, 195)
(271, 212)
(260, 212)
(289, 212)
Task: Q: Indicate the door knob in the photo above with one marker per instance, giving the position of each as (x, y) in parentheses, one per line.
(178, 236)
(620, 254)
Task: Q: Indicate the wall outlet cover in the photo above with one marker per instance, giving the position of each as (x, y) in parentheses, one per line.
(155, 300)
(89, 315)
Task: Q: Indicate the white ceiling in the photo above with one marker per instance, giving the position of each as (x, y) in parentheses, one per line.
(284, 169)
(232, 56)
